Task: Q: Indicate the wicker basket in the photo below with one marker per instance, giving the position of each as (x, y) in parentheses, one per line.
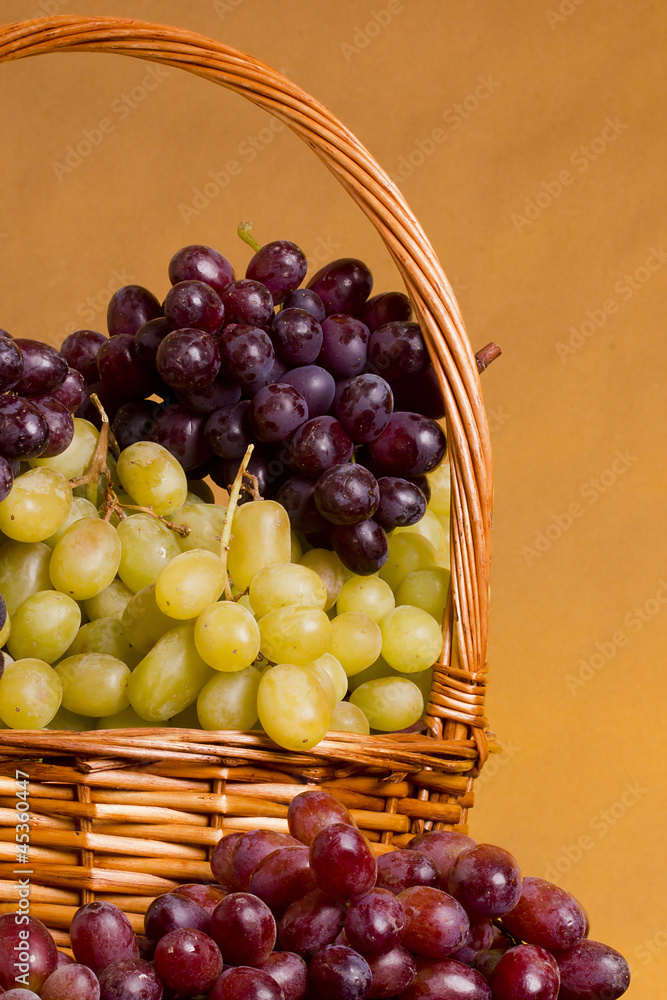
(125, 815)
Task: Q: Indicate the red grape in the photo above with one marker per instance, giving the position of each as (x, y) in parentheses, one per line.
(170, 912)
(245, 983)
(282, 877)
(410, 445)
(221, 862)
(71, 982)
(187, 961)
(319, 444)
(339, 973)
(201, 263)
(188, 359)
(486, 880)
(443, 848)
(436, 925)
(374, 924)
(306, 298)
(392, 973)
(207, 896)
(346, 494)
(129, 308)
(401, 503)
(446, 980)
(248, 302)
(252, 848)
(276, 412)
(11, 364)
(311, 923)
(27, 950)
(44, 367)
(344, 345)
(343, 285)
(80, 351)
(546, 915)
(388, 307)
(592, 971)
(194, 304)
(312, 811)
(297, 336)
(525, 973)
(24, 432)
(363, 547)
(316, 385)
(72, 391)
(397, 349)
(245, 928)
(281, 266)
(289, 971)
(343, 862)
(364, 406)
(60, 422)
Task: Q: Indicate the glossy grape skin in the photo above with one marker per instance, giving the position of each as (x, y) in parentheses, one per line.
(130, 978)
(219, 393)
(60, 424)
(71, 982)
(316, 385)
(486, 880)
(188, 961)
(43, 955)
(397, 349)
(290, 973)
(252, 848)
(24, 433)
(39, 502)
(194, 304)
(153, 477)
(311, 812)
(261, 537)
(188, 359)
(400, 870)
(446, 978)
(282, 877)
(276, 412)
(318, 444)
(221, 862)
(310, 924)
(44, 368)
(148, 338)
(246, 355)
(80, 351)
(182, 433)
(11, 364)
(363, 548)
(122, 372)
(207, 896)
(526, 972)
(279, 265)
(340, 973)
(443, 848)
(44, 626)
(297, 337)
(343, 285)
(6, 478)
(245, 928)
(20, 994)
(133, 422)
(546, 915)
(364, 406)
(228, 431)
(410, 445)
(24, 570)
(478, 940)
(419, 393)
(100, 934)
(129, 308)
(306, 298)
(343, 863)
(592, 971)
(344, 345)
(297, 497)
(201, 263)
(346, 494)
(374, 924)
(72, 390)
(245, 983)
(401, 503)
(388, 307)
(392, 972)
(86, 559)
(170, 912)
(248, 302)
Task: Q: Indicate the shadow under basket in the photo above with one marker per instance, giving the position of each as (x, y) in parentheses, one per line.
(125, 815)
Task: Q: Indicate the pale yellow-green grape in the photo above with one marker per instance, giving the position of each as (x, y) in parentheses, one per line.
(105, 635)
(440, 483)
(378, 669)
(94, 684)
(70, 721)
(423, 680)
(260, 536)
(244, 601)
(283, 584)
(76, 458)
(24, 569)
(153, 477)
(326, 680)
(430, 528)
(188, 718)
(170, 677)
(426, 589)
(329, 568)
(127, 719)
(411, 639)
(110, 603)
(229, 701)
(80, 508)
(205, 521)
(335, 670)
(44, 626)
(126, 502)
(292, 706)
(5, 624)
(144, 622)
(368, 594)
(348, 718)
(296, 548)
(389, 703)
(227, 636)
(30, 694)
(356, 641)
(86, 559)
(38, 503)
(295, 634)
(148, 546)
(407, 552)
(189, 583)
(199, 491)
(446, 530)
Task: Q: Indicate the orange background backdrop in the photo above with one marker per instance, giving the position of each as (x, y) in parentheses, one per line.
(528, 137)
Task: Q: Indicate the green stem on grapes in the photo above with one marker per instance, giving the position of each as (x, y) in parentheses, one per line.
(247, 237)
(226, 535)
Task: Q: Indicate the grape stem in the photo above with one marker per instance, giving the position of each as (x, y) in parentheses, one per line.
(226, 535)
(247, 237)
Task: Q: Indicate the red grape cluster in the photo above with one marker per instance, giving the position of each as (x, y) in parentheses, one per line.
(315, 916)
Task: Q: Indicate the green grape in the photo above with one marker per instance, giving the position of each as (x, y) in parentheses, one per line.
(70, 721)
(127, 719)
(110, 602)
(85, 560)
(368, 594)
(348, 718)
(105, 635)
(335, 670)
(188, 718)
(205, 521)
(189, 583)
(423, 680)
(80, 508)
(5, 623)
(283, 584)
(446, 530)
(292, 706)
(170, 677)
(147, 547)
(326, 680)
(426, 589)
(24, 569)
(411, 639)
(260, 536)
(389, 703)
(407, 553)
(38, 503)
(378, 669)
(244, 601)
(153, 477)
(430, 528)
(329, 568)
(440, 482)
(227, 637)
(30, 693)
(295, 634)
(94, 684)
(296, 548)
(144, 622)
(356, 641)
(76, 459)
(229, 701)
(44, 626)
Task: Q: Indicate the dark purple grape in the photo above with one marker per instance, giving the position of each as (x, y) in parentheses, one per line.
(340, 973)
(526, 973)
(297, 336)
(410, 445)
(11, 364)
(446, 978)
(264, 464)
(188, 359)
(228, 432)
(296, 496)
(316, 386)
(207, 896)
(72, 391)
(221, 862)
(486, 880)
(214, 396)
(546, 915)
(343, 863)
(245, 927)
(60, 422)
(306, 298)
(375, 923)
(194, 304)
(71, 982)
(188, 961)
(201, 263)
(393, 972)
(363, 548)
(319, 444)
(33, 937)
(101, 934)
(135, 979)
(148, 338)
(388, 307)
(419, 394)
(401, 503)
(399, 870)
(364, 406)
(253, 847)
(282, 877)
(133, 422)
(6, 483)
(276, 412)
(170, 912)
(110, 400)
(396, 350)
(247, 355)
(311, 812)
(344, 345)
(80, 352)
(592, 971)
(129, 308)
(245, 983)
(121, 371)
(310, 924)
(181, 432)
(478, 939)
(441, 846)
(24, 432)
(343, 285)
(346, 494)
(290, 973)
(44, 368)
(281, 266)
(248, 302)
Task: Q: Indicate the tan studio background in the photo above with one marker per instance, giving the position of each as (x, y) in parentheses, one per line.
(528, 136)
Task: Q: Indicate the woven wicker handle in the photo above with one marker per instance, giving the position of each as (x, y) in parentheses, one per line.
(457, 695)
